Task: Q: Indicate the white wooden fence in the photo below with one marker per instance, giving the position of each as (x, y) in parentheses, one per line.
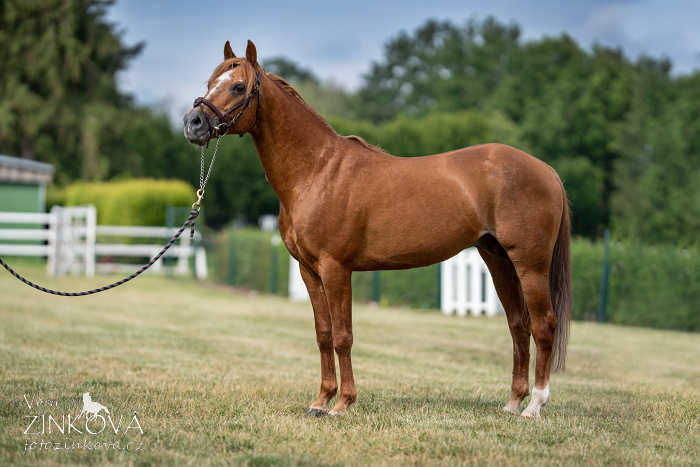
(297, 288)
(75, 244)
(465, 286)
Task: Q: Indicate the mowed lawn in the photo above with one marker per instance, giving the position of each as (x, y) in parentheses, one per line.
(215, 377)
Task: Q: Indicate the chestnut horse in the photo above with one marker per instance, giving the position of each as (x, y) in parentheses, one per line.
(347, 206)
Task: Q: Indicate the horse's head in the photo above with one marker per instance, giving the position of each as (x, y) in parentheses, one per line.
(86, 396)
(232, 101)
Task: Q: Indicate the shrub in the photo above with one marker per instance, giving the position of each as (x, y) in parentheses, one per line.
(131, 202)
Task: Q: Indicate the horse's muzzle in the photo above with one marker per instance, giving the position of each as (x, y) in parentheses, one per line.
(197, 127)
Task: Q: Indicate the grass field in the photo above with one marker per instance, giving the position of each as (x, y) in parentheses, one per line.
(216, 377)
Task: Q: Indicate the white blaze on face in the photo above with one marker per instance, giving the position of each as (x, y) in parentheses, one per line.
(220, 81)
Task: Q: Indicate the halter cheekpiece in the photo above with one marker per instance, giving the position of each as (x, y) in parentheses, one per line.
(222, 128)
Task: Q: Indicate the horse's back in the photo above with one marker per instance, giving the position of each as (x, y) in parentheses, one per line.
(422, 210)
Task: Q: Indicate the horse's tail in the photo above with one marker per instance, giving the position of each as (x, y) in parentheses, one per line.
(560, 288)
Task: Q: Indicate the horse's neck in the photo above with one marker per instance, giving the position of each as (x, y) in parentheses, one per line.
(291, 140)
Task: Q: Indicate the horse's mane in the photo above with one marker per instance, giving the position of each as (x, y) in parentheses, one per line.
(285, 86)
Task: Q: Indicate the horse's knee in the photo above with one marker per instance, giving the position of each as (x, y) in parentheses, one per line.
(342, 343)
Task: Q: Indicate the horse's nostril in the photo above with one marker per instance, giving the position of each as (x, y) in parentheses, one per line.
(196, 121)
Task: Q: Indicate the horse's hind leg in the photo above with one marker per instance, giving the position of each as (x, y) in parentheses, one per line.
(324, 339)
(511, 295)
(543, 322)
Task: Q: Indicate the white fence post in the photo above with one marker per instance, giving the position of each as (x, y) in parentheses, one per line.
(51, 258)
(297, 288)
(200, 263)
(183, 265)
(90, 240)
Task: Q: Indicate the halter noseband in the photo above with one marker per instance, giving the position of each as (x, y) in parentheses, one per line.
(222, 128)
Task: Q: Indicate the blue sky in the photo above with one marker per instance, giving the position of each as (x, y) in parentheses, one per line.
(339, 40)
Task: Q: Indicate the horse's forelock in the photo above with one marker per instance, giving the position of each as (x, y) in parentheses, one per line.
(228, 65)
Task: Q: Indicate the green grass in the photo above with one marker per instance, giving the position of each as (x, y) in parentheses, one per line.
(218, 378)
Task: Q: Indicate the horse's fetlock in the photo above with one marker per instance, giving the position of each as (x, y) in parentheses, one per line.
(330, 389)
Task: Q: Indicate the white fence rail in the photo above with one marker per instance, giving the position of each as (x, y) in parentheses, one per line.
(24, 234)
(73, 244)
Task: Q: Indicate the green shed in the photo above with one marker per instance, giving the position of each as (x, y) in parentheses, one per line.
(23, 184)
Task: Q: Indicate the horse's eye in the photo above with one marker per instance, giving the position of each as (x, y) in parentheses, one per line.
(238, 87)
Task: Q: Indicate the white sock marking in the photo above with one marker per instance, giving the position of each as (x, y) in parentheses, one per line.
(539, 398)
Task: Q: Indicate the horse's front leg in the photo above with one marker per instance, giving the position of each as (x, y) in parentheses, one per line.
(324, 339)
(337, 285)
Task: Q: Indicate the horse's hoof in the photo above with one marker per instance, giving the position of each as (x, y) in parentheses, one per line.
(530, 414)
(315, 413)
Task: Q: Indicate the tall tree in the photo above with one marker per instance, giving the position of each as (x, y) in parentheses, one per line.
(58, 91)
(440, 67)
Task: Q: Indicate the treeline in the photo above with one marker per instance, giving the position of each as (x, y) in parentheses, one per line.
(623, 134)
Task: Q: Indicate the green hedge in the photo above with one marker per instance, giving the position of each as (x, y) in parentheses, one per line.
(247, 258)
(651, 286)
(416, 288)
(655, 287)
(131, 202)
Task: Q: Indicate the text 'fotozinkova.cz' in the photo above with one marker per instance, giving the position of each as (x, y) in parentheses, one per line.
(101, 429)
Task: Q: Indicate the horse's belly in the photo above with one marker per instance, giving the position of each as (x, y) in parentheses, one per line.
(419, 242)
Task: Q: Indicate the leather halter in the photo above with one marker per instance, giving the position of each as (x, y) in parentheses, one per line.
(222, 128)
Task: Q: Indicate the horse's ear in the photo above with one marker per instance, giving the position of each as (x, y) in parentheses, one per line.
(228, 51)
(251, 54)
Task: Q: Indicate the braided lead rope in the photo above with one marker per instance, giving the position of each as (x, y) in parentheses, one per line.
(193, 215)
